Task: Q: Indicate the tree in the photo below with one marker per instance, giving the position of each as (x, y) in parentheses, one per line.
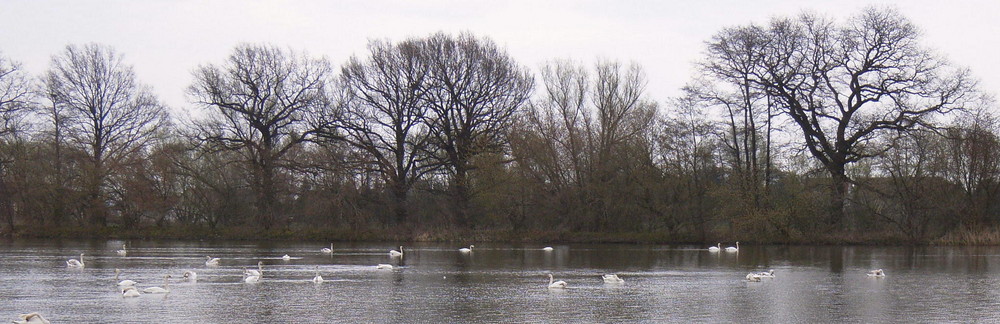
(110, 115)
(387, 115)
(15, 96)
(846, 85)
(474, 90)
(263, 103)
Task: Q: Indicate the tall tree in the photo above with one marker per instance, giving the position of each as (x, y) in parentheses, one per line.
(264, 102)
(474, 90)
(15, 95)
(844, 85)
(387, 114)
(111, 116)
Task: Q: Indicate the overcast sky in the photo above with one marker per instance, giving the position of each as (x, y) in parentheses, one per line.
(166, 40)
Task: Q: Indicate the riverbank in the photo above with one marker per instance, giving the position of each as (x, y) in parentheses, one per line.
(990, 236)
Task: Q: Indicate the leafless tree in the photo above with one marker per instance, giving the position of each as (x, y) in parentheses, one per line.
(112, 116)
(846, 85)
(474, 90)
(264, 102)
(387, 115)
(15, 96)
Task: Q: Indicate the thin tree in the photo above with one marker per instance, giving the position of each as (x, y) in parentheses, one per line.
(15, 96)
(111, 115)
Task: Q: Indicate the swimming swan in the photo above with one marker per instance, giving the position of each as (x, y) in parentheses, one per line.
(158, 290)
(384, 266)
(766, 274)
(877, 273)
(556, 285)
(258, 272)
(125, 282)
(612, 278)
(130, 292)
(547, 248)
(74, 263)
(734, 249)
(753, 277)
(190, 275)
(466, 250)
(396, 253)
(123, 251)
(715, 248)
(32, 318)
(286, 257)
(211, 262)
(318, 278)
(327, 250)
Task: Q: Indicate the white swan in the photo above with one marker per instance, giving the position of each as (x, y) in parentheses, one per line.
(158, 290)
(612, 278)
(286, 257)
(766, 274)
(318, 278)
(327, 250)
(734, 249)
(31, 318)
(547, 248)
(557, 284)
(251, 279)
(715, 248)
(255, 273)
(74, 263)
(753, 277)
(190, 275)
(130, 292)
(123, 251)
(396, 253)
(466, 250)
(877, 273)
(211, 262)
(125, 282)
(384, 266)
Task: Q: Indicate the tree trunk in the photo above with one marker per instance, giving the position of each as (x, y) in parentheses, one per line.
(840, 186)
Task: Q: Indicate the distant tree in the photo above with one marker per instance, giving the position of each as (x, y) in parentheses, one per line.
(387, 115)
(15, 95)
(110, 115)
(846, 85)
(263, 103)
(474, 90)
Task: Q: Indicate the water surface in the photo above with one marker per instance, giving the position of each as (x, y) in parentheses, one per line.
(500, 283)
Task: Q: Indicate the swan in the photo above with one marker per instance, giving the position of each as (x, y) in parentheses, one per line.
(766, 274)
(158, 290)
(251, 279)
(612, 278)
(190, 275)
(74, 263)
(396, 253)
(753, 277)
(734, 249)
(211, 261)
(31, 318)
(318, 278)
(877, 273)
(123, 251)
(286, 257)
(547, 248)
(125, 282)
(384, 266)
(466, 250)
(715, 248)
(327, 250)
(557, 284)
(130, 292)
(255, 273)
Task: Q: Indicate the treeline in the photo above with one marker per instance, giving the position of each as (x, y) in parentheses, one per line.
(803, 129)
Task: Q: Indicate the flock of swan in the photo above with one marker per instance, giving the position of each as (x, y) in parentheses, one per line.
(128, 288)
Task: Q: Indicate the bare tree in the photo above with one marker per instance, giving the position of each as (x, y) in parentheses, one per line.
(264, 102)
(475, 89)
(112, 117)
(846, 85)
(387, 115)
(15, 96)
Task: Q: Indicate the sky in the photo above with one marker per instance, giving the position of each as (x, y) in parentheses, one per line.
(166, 40)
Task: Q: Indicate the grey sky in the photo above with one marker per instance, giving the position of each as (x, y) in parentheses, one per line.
(166, 40)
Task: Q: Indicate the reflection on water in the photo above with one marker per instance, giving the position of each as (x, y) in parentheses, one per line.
(499, 283)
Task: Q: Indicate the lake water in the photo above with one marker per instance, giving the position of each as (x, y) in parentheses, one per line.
(499, 283)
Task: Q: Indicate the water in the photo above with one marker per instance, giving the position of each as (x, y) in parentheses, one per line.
(500, 283)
